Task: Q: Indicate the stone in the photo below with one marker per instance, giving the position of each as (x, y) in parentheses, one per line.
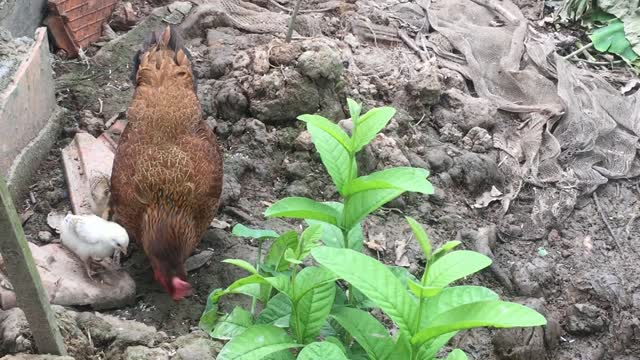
(477, 140)
(145, 353)
(303, 141)
(231, 103)
(476, 171)
(14, 332)
(425, 86)
(322, 64)
(585, 319)
(196, 346)
(45, 236)
(284, 53)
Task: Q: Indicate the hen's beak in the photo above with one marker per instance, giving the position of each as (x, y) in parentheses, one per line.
(124, 250)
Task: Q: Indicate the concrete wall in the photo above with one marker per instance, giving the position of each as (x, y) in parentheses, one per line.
(27, 104)
(22, 17)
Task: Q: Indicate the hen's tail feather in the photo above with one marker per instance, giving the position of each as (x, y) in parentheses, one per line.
(168, 39)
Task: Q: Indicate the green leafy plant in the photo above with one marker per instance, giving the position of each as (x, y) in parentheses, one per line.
(308, 313)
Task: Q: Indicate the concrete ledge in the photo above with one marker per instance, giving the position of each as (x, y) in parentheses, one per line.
(27, 102)
(29, 117)
(26, 164)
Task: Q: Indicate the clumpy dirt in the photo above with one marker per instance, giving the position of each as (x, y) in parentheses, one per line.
(252, 86)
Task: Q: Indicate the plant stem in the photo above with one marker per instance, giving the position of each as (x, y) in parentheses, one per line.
(254, 300)
(579, 51)
(423, 282)
(293, 305)
(296, 9)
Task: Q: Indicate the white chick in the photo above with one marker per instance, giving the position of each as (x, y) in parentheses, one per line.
(91, 237)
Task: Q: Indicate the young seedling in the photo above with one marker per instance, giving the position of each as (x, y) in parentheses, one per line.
(307, 313)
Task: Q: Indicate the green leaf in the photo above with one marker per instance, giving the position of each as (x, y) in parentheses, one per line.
(398, 178)
(370, 124)
(303, 208)
(277, 308)
(243, 231)
(332, 235)
(423, 291)
(291, 257)
(457, 354)
(329, 127)
(444, 249)
(309, 239)
(366, 330)
(275, 255)
(309, 278)
(421, 236)
(321, 351)
(374, 280)
(251, 279)
(310, 311)
(257, 342)
(452, 297)
(491, 313)
(429, 349)
(282, 283)
(403, 275)
(334, 155)
(280, 355)
(611, 38)
(455, 265)
(241, 264)
(354, 110)
(361, 204)
(210, 313)
(232, 324)
(403, 348)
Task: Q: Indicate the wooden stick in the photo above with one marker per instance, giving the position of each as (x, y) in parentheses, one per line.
(24, 277)
(293, 20)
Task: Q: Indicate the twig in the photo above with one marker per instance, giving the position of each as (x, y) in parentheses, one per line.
(579, 51)
(284, 8)
(606, 222)
(411, 44)
(293, 20)
(614, 62)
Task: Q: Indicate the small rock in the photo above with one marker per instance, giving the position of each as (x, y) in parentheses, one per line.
(130, 333)
(123, 17)
(585, 319)
(144, 353)
(299, 188)
(304, 142)
(196, 346)
(476, 171)
(477, 140)
(35, 357)
(346, 125)
(352, 41)
(14, 332)
(438, 159)
(425, 87)
(45, 236)
(242, 60)
(297, 170)
(260, 62)
(450, 133)
(55, 196)
(322, 64)
(91, 124)
(387, 151)
(231, 103)
(528, 343)
(530, 278)
(284, 53)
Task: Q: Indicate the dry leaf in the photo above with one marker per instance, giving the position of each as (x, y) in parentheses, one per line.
(219, 224)
(487, 198)
(401, 254)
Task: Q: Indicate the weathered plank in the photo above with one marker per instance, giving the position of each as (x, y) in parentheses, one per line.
(24, 276)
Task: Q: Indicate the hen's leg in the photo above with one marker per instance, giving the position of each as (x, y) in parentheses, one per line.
(87, 266)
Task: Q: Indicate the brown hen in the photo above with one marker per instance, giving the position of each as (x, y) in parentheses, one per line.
(167, 173)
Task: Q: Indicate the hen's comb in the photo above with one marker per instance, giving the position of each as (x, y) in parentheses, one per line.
(181, 288)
